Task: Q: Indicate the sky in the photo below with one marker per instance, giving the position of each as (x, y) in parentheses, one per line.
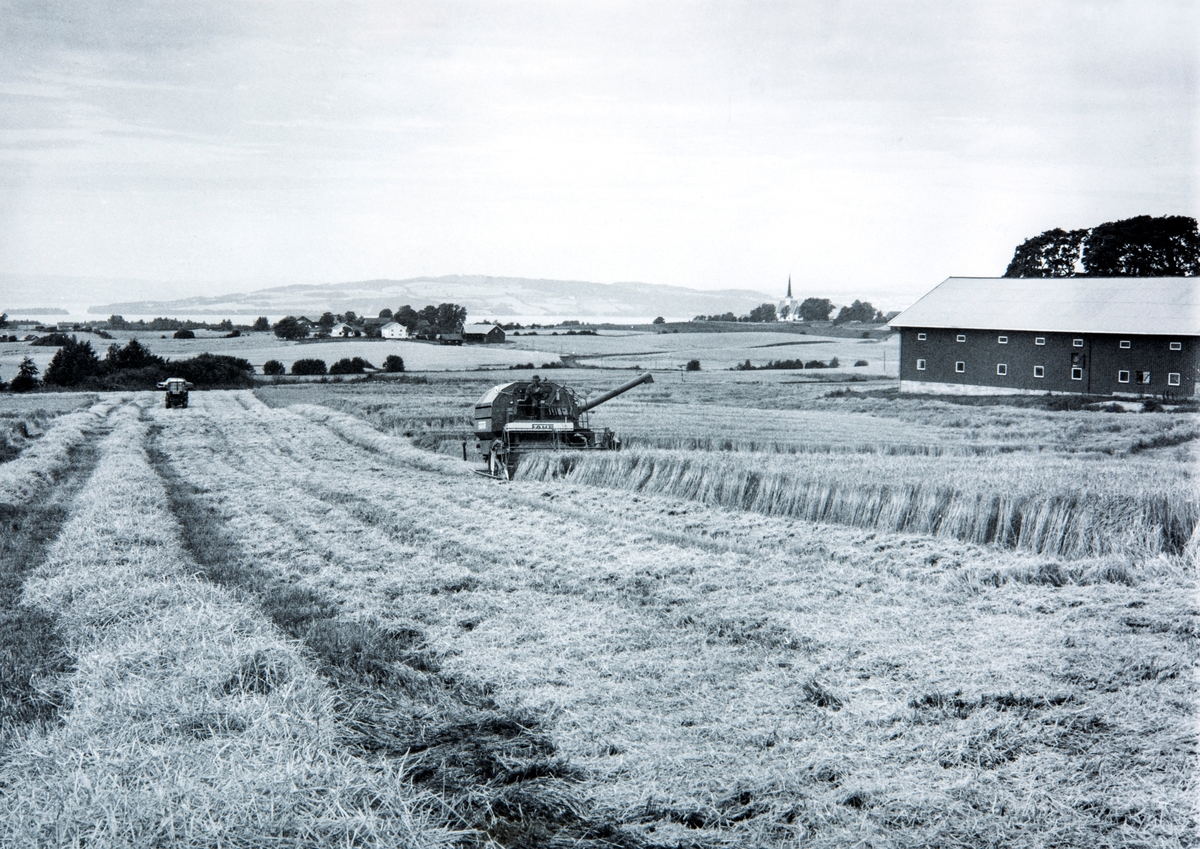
(204, 147)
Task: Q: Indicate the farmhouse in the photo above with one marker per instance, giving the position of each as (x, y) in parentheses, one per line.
(393, 330)
(342, 330)
(482, 333)
(1083, 335)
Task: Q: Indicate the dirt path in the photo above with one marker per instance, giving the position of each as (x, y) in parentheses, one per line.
(723, 677)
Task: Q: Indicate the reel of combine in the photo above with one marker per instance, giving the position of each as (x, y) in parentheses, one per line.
(538, 415)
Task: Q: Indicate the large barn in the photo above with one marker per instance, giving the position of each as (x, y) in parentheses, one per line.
(1083, 335)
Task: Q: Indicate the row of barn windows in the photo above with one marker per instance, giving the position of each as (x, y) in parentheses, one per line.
(1041, 340)
(1123, 376)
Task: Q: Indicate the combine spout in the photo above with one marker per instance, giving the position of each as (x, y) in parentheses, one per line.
(613, 393)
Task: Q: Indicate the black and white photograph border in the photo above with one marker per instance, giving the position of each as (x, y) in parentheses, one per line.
(602, 424)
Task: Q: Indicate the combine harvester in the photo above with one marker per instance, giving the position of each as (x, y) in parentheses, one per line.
(538, 415)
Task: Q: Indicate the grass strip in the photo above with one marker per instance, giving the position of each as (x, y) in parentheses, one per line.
(191, 722)
(31, 648)
(496, 771)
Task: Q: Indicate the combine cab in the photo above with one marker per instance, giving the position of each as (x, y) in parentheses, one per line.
(177, 391)
(538, 415)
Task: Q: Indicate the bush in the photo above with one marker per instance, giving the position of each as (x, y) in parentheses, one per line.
(308, 367)
(354, 365)
(184, 333)
(51, 340)
(833, 363)
(393, 363)
(274, 368)
(858, 363)
(214, 370)
(233, 334)
(134, 355)
(693, 365)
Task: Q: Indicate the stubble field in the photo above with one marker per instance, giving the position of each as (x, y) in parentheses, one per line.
(294, 617)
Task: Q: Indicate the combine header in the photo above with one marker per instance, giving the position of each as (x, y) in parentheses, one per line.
(538, 415)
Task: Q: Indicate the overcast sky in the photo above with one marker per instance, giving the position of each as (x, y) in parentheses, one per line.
(873, 146)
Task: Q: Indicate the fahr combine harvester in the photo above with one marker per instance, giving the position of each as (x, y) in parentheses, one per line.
(538, 415)
(177, 391)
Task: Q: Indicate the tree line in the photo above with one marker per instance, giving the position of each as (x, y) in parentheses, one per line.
(427, 321)
(1142, 246)
(76, 365)
(810, 309)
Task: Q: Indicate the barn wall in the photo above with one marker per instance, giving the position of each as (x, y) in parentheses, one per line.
(1099, 359)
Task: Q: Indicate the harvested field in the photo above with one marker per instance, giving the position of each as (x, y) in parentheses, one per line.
(296, 626)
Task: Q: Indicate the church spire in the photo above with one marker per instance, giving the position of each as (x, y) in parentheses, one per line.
(789, 294)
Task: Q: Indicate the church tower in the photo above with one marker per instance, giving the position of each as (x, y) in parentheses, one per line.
(788, 309)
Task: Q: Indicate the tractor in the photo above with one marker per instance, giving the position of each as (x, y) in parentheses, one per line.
(177, 391)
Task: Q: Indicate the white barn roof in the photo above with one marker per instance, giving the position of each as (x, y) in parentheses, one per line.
(1163, 306)
(480, 328)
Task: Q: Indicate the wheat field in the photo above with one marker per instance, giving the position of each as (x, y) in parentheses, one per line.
(288, 623)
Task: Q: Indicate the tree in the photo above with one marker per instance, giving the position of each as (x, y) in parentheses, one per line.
(290, 328)
(784, 312)
(184, 333)
(450, 318)
(763, 312)
(693, 365)
(385, 313)
(133, 355)
(659, 320)
(407, 316)
(350, 317)
(816, 309)
(326, 322)
(1054, 253)
(261, 323)
(393, 363)
(273, 368)
(73, 363)
(214, 370)
(858, 311)
(1144, 247)
(3, 319)
(27, 377)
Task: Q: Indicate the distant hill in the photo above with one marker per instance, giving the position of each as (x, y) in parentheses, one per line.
(484, 297)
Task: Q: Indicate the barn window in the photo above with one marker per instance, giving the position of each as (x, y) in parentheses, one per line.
(1040, 340)
(1076, 374)
(1124, 343)
(962, 337)
(1001, 368)
(1143, 377)
(1176, 346)
(1122, 376)
(1039, 371)
(1078, 343)
(1173, 378)
(920, 365)
(920, 337)
(960, 367)
(1003, 340)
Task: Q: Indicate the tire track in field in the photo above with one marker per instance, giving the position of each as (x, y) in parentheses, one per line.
(31, 647)
(312, 508)
(496, 770)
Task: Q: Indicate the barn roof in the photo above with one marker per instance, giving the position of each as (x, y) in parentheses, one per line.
(480, 328)
(1165, 306)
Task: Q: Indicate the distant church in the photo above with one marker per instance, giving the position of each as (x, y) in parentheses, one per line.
(789, 307)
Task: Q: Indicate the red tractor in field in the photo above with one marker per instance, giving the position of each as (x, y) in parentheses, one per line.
(177, 391)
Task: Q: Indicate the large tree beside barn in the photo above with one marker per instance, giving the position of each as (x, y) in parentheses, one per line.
(1134, 247)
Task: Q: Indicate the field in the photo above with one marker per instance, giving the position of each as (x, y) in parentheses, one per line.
(619, 349)
(787, 614)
